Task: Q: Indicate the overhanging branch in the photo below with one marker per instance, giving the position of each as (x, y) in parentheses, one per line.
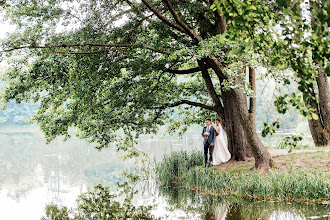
(181, 102)
(92, 52)
(176, 17)
(163, 18)
(188, 71)
(113, 47)
(220, 22)
(171, 105)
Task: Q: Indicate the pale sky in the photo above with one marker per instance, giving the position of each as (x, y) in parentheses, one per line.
(5, 27)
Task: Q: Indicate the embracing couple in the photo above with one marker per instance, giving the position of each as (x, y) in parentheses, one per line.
(215, 147)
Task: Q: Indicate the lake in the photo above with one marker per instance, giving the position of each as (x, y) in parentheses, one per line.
(34, 174)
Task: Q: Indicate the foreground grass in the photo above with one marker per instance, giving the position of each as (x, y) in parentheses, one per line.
(288, 183)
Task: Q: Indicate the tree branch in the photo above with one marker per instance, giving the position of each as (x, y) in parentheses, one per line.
(173, 34)
(210, 87)
(171, 105)
(217, 67)
(93, 52)
(129, 3)
(176, 17)
(188, 71)
(163, 18)
(196, 104)
(117, 46)
(252, 81)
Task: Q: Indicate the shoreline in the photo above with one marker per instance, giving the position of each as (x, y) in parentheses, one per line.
(302, 177)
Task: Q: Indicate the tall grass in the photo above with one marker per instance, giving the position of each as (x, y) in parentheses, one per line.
(176, 164)
(186, 170)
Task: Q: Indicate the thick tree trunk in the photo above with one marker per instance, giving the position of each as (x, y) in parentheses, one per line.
(260, 153)
(237, 143)
(324, 102)
(319, 135)
(324, 99)
(227, 112)
(318, 128)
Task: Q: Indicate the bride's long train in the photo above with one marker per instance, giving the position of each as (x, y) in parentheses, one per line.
(221, 153)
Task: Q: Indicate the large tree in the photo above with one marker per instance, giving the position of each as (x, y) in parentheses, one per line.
(103, 66)
(318, 47)
(305, 49)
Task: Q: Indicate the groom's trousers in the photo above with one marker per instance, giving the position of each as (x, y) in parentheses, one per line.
(208, 150)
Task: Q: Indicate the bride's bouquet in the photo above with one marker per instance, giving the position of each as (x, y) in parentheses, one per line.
(206, 134)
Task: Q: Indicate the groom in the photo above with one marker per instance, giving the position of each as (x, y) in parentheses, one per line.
(208, 135)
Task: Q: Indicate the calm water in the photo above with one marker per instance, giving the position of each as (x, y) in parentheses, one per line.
(33, 174)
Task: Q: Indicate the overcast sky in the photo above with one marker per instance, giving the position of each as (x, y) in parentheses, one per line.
(5, 27)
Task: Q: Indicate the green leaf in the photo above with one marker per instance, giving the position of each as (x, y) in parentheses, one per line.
(213, 7)
(252, 7)
(232, 52)
(286, 11)
(315, 116)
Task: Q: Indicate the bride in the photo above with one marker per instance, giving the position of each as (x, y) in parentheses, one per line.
(220, 151)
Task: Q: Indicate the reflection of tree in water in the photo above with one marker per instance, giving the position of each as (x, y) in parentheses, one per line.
(16, 162)
(233, 208)
(26, 163)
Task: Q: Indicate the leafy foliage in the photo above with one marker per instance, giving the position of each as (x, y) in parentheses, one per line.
(100, 93)
(104, 203)
(112, 69)
(291, 141)
(269, 128)
(300, 43)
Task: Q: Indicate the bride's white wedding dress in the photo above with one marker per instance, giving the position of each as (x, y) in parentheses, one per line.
(220, 151)
(220, 212)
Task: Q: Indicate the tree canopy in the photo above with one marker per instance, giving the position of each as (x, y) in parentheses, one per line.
(103, 66)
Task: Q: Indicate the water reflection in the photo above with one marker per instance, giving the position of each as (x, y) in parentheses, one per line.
(232, 208)
(33, 174)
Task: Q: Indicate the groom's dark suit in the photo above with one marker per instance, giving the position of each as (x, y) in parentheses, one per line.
(207, 142)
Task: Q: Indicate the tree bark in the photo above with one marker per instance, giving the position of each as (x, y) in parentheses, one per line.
(319, 135)
(237, 143)
(260, 153)
(253, 103)
(318, 128)
(324, 99)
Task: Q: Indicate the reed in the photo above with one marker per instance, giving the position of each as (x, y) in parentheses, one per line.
(176, 164)
(186, 170)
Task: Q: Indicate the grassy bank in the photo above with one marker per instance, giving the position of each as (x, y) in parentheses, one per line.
(287, 183)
